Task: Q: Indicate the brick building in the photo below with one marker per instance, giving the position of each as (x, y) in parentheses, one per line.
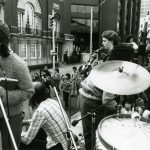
(31, 33)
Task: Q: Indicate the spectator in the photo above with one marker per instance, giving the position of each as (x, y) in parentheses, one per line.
(74, 75)
(57, 78)
(66, 88)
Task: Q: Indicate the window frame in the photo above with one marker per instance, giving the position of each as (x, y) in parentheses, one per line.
(20, 51)
(35, 51)
(39, 51)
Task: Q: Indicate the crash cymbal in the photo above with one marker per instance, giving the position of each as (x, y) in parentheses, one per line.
(120, 77)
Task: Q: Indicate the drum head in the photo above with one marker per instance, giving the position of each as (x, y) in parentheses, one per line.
(122, 133)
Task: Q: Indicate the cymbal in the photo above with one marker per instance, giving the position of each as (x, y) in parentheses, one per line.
(120, 77)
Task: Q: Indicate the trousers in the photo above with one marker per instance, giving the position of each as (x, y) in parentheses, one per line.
(87, 105)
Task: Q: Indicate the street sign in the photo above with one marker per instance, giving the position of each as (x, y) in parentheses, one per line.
(54, 54)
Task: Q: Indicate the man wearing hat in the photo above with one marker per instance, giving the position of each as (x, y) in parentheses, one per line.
(12, 66)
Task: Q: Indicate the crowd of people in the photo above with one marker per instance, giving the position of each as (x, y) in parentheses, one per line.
(37, 90)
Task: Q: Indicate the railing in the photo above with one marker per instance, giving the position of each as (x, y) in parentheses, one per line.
(35, 32)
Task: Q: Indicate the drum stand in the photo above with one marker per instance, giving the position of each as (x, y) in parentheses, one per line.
(93, 114)
(66, 120)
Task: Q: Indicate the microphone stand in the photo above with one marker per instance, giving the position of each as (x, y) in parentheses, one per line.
(8, 125)
(4, 113)
(67, 123)
(93, 114)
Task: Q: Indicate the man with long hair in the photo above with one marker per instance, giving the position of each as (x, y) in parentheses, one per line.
(47, 115)
(12, 66)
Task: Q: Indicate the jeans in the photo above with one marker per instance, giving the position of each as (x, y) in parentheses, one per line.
(66, 98)
(85, 106)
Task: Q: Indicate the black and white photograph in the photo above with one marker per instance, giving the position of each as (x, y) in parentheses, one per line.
(74, 74)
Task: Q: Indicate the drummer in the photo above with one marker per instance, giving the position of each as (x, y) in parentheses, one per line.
(123, 52)
(91, 96)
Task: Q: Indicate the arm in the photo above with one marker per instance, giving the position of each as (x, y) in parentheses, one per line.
(24, 89)
(36, 123)
(109, 97)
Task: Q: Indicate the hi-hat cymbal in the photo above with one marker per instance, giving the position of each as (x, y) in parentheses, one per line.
(120, 77)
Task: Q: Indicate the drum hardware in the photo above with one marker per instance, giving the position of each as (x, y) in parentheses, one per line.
(118, 108)
(93, 114)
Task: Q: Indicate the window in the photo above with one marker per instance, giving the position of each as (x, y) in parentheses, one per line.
(38, 25)
(84, 9)
(20, 22)
(39, 50)
(85, 22)
(33, 51)
(29, 18)
(23, 51)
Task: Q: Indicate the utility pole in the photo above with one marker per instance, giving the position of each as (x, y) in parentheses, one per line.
(91, 31)
(53, 36)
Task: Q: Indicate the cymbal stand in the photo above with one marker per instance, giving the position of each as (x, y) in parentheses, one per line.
(66, 120)
(8, 125)
(145, 96)
(93, 114)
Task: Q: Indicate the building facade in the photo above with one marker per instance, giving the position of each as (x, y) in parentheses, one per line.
(81, 22)
(123, 16)
(31, 31)
(129, 18)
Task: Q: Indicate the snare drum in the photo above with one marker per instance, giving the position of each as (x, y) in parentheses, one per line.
(120, 132)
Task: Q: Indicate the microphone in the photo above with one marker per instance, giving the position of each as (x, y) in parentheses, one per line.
(93, 57)
(97, 51)
(75, 122)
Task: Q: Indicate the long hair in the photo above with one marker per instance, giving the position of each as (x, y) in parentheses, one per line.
(122, 51)
(4, 40)
(39, 95)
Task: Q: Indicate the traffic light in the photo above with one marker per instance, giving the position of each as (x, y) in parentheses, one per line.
(51, 22)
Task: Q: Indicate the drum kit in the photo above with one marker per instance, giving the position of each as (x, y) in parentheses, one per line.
(122, 131)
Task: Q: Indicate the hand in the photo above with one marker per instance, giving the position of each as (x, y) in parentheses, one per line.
(2, 91)
(22, 137)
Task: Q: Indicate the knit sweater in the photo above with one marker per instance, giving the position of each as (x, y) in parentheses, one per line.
(90, 91)
(15, 68)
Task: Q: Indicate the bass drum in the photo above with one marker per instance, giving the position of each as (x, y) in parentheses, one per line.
(120, 132)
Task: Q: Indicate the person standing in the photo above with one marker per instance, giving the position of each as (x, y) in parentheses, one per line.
(74, 76)
(57, 78)
(66, 88)
(90, 96)
(13, 67)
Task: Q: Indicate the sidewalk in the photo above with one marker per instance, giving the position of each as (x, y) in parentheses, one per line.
(66, 68)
